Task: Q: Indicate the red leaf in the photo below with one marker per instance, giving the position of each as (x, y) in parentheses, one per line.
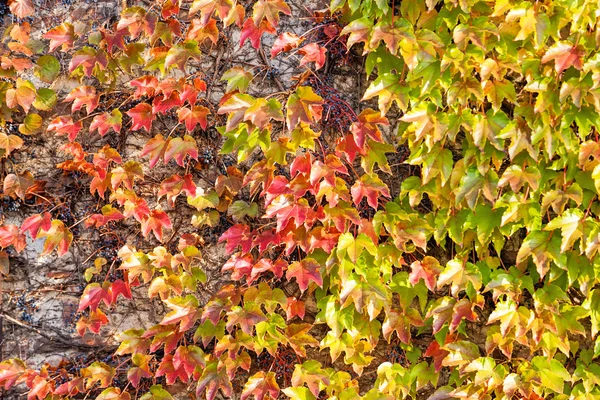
(105, 121)
(59, 237)
(93, 322)
(92, 295)
(184, 311)
(144, 86)
(370, 187)
(119, 287)
(238, 234)
(160, 105)
(108, 214)
(194, 116)
(115, 39)
(65, 126)
(10, 371)
(64, 35)
(155, 148)
(155, 222)
(294, 308)
(178, 148)
(141, 116)
(285, 42)
(167, 369)
(313, 53)
(254, 33)
(83, 96)
(260, 385)
(305, 271)
(428, 269)
(367, 126)
(36, 223)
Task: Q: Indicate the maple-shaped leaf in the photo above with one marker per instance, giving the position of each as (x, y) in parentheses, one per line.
(571, 227)
(238, 234)
(126, 174)
(10, 371)
(366, 126)
(141, 116)
(9, 143)
(285, 42)
(305, 271)
(105, 121)
(207, 8)
(254, 33)
(200, 32)
(259, 384)
(155, 147)
(23, 95)
(304, 105)
(180, 54)
(185, 311)
(10, 235)
(36, 223)
(214, 378)
(109, 213)
(83, 96)
(70, 388)
(369, 186)
(544, 248)
(392, 35)
(88, 59)
(565, 55)
(460, 274)
(178, 148)
(114, 39)
(246, 317)
(173, 186)
(144, 86)
(139, 370)
(400, 322)
(389, 88)
(294, 307)
(463, 309)
(64, 125)
(358, 31)
(137, 20)
(59, 237)
(313, 53)
(92, 295)
(167, 369)
(237, 79)
(193, 116)
(155, 222)
(427, 269)
(312, 374)
(98, 372)
(18, 185)
(62, 35)
(269, 10)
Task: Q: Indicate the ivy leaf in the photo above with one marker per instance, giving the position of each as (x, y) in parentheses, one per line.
(305, 271)
(155, 147)
(543, 247)
(179, 54)
(98, 372)
(185, 311)
(155, 222)
(269, 10)
(254, 33)
(9, 143)
(59, 237)
(402, 30)
(83, 96)
(570, 226)
(157, 393)
(565, 55)
(105, 121)
(369, 186)
(141, 116)
(313, 53)
(304, 105)
(214, 378)
(23, 95)
(237, 78)
(178, 148)
(358, 31)
(47, 68)
(389, 88)
(285, 42)
(427, 269)
(62, 35)
(65, 126)
(10, 371)
(259, 384)
(459, 274)
(552, 373)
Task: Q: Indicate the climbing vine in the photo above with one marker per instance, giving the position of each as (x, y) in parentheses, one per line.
(449, 219)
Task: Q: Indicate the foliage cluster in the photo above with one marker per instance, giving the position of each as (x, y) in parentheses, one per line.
(481, 269)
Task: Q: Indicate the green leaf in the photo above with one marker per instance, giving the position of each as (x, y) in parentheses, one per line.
(47, 68)
(552, 373)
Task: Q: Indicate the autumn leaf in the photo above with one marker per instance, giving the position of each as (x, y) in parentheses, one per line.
(304, 105)
(305, 271)
(178, 148)
(105, 121)
(313, 53)
(155, 222)
(427, 269)
(259, 384)
(390, 89)
(269, 10)
(37, 223)
(193, 116)
(155, 147)
(17, 185)
(141, 117)
(565, 55)
(285, 42)
(9, 143)
(64, 125)
(83, 96)
(237, 79)
(21, 8)
(62, 35)
(254, 32)
(58, 236)
(184, 311)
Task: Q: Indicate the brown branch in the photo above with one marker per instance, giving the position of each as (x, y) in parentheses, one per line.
(69, 342)
(268, 64)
